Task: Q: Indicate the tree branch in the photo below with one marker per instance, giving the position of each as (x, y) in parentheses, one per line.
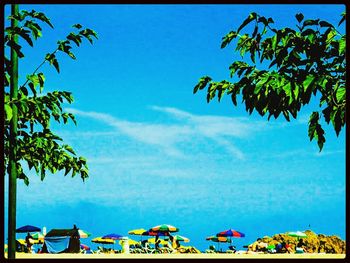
(42, 63)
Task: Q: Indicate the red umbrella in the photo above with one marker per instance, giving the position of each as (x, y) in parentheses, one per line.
(230, 233)
(85, 247)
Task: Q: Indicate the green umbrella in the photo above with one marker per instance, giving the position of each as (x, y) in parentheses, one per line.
(164, 228)
(83, 233)
(181, 238)
(297, 234)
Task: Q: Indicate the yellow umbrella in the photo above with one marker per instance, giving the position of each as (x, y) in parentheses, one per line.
(138, 232)
(23, 242)
(101, 240)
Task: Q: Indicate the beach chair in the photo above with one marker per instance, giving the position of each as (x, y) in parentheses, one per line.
(231, 249)
(148, 249)
(211, 249)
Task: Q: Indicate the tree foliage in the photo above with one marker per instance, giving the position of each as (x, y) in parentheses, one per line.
(36, 144)
(294, 65)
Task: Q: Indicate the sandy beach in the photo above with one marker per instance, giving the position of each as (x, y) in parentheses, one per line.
(182, 256)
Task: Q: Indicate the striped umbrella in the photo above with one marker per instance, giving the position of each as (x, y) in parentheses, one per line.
(143, 232)
(219, 239)
(83, 233)
(181, 238)
(138, 232)
(85, 247)
(113, 236)
(230, 233)
(164, 228)
(38, 236)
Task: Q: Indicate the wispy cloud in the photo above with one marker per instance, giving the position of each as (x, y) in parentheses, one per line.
(220, 129)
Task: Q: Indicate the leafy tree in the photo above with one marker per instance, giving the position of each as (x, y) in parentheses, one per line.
(36, 144)
(294, 65)
(28, 111)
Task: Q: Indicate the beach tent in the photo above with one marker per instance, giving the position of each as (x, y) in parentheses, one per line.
(62, 241)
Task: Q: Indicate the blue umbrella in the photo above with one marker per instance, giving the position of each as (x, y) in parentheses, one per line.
(112, 236)
(230, 233)
(28, 228)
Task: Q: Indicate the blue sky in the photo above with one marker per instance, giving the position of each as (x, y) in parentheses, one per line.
(159, 154)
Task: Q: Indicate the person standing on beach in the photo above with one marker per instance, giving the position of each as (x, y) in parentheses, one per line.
(29, 243)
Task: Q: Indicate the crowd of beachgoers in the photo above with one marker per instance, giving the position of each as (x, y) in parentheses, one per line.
(160, 239)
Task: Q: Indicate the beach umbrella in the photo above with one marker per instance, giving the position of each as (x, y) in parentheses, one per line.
(83, 233)
(143, 232)
(23, 242)
(85, 247)
(101, 240)
(181, 238)
(28, 228)
(297, 234)
(164, 228)
(138, 232)
(38, 236)
(230, 233)
(113, 236)
(219, 239)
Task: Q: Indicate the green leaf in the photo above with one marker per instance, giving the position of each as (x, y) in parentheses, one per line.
(8, 111)
(342, 45)
(342, 19)
(16, 47)
(24, 34)
(71, 55)
(315, 130)
(56, 65)
(308, 81)
(82, 159)
(320, 136)
(340, 95)
(228, 38)
(31, 86)
(288, 90)
(325, 24)
(249, 19)
(75, 38)
(296, 92)
(41, 79)
(330, 36)
(201, 84)
(299, 17)
(78, 26)
(310, 22)
(69, 149)
(67, 168)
